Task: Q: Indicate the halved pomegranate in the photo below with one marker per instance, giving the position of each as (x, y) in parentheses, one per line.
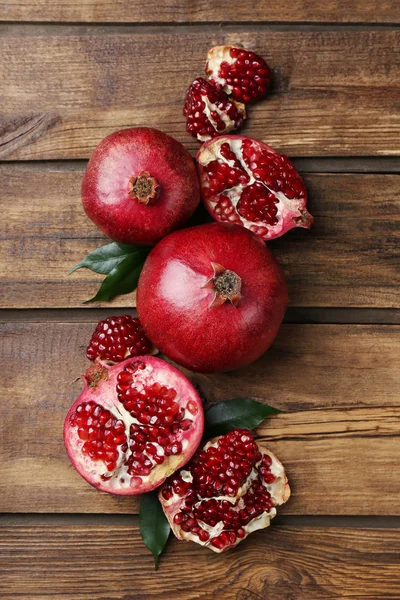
(230, 489)
(244, 181)
(134, 424)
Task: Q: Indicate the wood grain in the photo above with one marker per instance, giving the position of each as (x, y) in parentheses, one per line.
(339, 385)
(350, 258)
(195, 11)
(100, 562)
(335, 91)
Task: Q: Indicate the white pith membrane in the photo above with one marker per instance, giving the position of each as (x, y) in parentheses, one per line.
(279, 491)
(215, 56)
(104, 394)
(229, 124)
(290, 212)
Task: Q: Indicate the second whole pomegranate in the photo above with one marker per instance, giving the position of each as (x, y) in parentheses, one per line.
(212, 297)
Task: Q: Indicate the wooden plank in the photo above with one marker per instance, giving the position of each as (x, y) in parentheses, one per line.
(314, 563)
(339, 385)
(350, 258)
(193, 11)
(63, 89)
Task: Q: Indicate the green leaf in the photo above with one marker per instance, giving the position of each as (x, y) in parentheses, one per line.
(104, 259)
(121, 263)
(239, 412)
(122, 279)
(154, 527)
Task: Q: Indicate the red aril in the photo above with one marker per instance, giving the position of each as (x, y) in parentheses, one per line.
(118, 338)
(229, 489)
(210, 112)
(211, 297)
(134, 424)
(244, 181)
(140, 184)
(239, 72)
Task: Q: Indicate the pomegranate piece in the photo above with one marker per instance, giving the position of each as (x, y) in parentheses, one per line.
(134, 424)
(210, 112)
(230, 488)
(239, 72)
(211, 297)
(118, 338)
(139, 185)
(244, 181)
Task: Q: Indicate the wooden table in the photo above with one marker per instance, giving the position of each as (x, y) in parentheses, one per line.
(71, 73)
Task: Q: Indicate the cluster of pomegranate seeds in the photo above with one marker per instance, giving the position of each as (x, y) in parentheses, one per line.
(221, 470)
(257, 203)
(210, 112)
(221, 491)
(273, 169)
(239, 72)
(118, 338)
(102, 433)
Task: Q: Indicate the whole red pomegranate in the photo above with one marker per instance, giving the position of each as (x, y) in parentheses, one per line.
(229, 489)
(134, 424)
(139, 185)
(244, 181)
(211, 297)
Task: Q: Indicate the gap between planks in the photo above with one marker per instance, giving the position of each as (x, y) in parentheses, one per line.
(99, 28)
(294, 315)
(384, 165)
(53, 519)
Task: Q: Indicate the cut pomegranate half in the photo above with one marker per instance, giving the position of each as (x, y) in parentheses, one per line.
(230, 489)
(244, 181)
(239, 72)
(134, 424)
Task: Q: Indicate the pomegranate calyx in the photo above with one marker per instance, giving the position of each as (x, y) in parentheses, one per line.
(225, 284)
(95, 374)
(304, 220)
(144, 188)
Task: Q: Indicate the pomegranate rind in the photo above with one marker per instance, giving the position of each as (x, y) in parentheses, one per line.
(100, 382)
(290, 212)
(279, 491)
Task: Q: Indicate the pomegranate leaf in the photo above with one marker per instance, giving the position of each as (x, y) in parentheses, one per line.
(122, 279)
(240, 412)
(121, 263)
(104, 259)
(154, 527)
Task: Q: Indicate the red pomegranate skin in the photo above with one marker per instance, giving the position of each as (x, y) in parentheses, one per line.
(107, 184)
(176, 309)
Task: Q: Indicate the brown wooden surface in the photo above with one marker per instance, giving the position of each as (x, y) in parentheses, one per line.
(350, 258)
(334, 367)
(340, 390)
(101, 562)
(201, 11)
(335, 91)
